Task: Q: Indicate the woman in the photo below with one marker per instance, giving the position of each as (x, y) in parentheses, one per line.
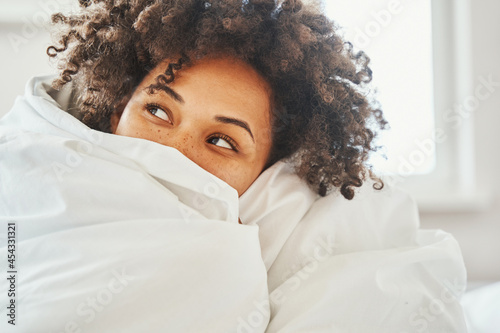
(316, 82)
(191, 116)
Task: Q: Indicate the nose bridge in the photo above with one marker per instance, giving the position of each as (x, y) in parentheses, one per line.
(183, 141)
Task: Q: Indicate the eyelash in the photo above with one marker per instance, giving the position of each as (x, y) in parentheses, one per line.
(231, 142)
(153, 106)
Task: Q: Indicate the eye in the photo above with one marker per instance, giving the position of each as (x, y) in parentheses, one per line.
(222, 141)
(157, 111)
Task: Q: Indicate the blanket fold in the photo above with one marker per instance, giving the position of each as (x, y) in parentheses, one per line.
(116, 234)
(119, 234)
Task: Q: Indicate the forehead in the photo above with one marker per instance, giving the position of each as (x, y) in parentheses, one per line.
(226, 84)
(223, 71)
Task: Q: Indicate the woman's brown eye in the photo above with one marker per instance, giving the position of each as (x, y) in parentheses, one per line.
(222, 141)
(158, 112)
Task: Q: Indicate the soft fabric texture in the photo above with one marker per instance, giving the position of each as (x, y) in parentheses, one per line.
(118, 234)
(482, 308)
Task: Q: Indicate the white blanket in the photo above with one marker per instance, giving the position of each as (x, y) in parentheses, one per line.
(118, 234)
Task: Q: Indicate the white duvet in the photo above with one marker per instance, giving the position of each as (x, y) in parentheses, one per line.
(118, 234)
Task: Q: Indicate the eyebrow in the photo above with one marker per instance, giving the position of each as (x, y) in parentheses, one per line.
(237, 122)
(160, 87)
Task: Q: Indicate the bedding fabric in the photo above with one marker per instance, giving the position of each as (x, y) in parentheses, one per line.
(118, 234)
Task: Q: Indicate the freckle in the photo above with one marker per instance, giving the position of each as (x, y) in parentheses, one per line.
(158, 131)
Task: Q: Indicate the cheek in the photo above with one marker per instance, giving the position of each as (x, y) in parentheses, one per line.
(134, 126)
(238, 175)
(127, 124)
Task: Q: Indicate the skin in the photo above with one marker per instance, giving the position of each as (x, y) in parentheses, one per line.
(218, 116)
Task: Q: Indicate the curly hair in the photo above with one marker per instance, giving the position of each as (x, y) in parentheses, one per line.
(322, 119)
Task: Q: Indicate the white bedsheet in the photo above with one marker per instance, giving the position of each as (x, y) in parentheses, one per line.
(352, 266)
(482, 308)
(118, 234)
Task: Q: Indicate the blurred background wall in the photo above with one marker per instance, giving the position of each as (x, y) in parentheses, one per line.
(23, 43)
(479, 233)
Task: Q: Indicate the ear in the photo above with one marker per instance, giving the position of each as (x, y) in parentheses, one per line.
(117, 114)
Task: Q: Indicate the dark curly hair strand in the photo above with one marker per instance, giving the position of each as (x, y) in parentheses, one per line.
(322, 119)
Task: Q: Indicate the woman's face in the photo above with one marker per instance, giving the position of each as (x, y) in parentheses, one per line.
(217, 114)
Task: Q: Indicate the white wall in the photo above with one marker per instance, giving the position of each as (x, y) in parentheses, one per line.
(19, 62)
(23, 43)
(477, 233)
